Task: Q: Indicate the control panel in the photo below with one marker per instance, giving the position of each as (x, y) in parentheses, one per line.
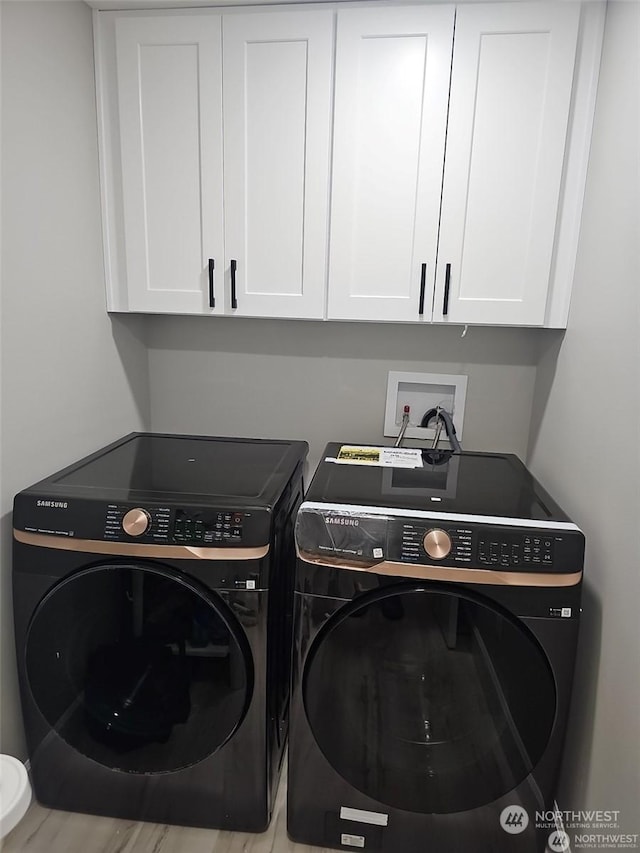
(500, 548)
(515, 550)
(179, 526)
(436, 542)
(368, 539)
(209, 527)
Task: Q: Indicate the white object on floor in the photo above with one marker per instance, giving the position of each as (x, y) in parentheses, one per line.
(15, 793)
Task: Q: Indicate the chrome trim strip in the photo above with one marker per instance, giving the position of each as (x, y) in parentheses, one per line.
(138, 549)
(441, 516)
(449, 574)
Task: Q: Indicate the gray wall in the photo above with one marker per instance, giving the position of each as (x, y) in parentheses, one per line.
(72, 379)
(585, 440)
(328, 381)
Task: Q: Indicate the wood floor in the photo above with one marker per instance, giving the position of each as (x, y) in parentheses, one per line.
(48, 831)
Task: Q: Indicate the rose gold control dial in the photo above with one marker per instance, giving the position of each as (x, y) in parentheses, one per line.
(437, 544)
(136, 521)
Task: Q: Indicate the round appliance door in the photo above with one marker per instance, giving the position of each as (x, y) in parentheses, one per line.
(429, 699)
(138, 668)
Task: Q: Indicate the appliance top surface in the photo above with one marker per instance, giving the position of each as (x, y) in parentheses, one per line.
(473, 484)
(163, 467)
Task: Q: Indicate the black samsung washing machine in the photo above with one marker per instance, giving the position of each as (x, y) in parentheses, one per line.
(153, 596)
(436, 620)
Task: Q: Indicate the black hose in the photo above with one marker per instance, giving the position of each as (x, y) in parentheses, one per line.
(447, 420)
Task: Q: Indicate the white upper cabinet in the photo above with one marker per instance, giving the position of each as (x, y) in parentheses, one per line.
(392, 87)
(169, 78)
(511, 85)
(477, 218)
(212, 210)
(277, 114)
(382, 162)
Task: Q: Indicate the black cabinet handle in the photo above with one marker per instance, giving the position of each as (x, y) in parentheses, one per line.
(423, 281)
(234, 299)
(212, 297)
(447, 284)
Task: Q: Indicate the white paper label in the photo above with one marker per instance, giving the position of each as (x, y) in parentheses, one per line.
(378, 553)
(352, 840)
(251, 584)
(566, 612)
(375, 818)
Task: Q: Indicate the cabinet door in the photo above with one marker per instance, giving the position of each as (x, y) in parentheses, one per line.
(510, 98)
(277, 109)
(392, 84)
(170, 112)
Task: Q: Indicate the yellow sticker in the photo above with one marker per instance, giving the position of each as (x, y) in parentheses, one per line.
(364, 455)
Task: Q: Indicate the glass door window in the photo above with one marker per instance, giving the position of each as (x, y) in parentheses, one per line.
(429, 700)
(137, 668)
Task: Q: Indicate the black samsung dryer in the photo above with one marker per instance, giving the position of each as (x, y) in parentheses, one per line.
(436, 618)
(153, 596)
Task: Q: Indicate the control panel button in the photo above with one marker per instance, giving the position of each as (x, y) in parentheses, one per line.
(437, 544)
(193, 527)
(136, 522)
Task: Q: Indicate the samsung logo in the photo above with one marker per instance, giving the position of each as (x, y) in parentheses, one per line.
(341, 519)
(53, 504)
